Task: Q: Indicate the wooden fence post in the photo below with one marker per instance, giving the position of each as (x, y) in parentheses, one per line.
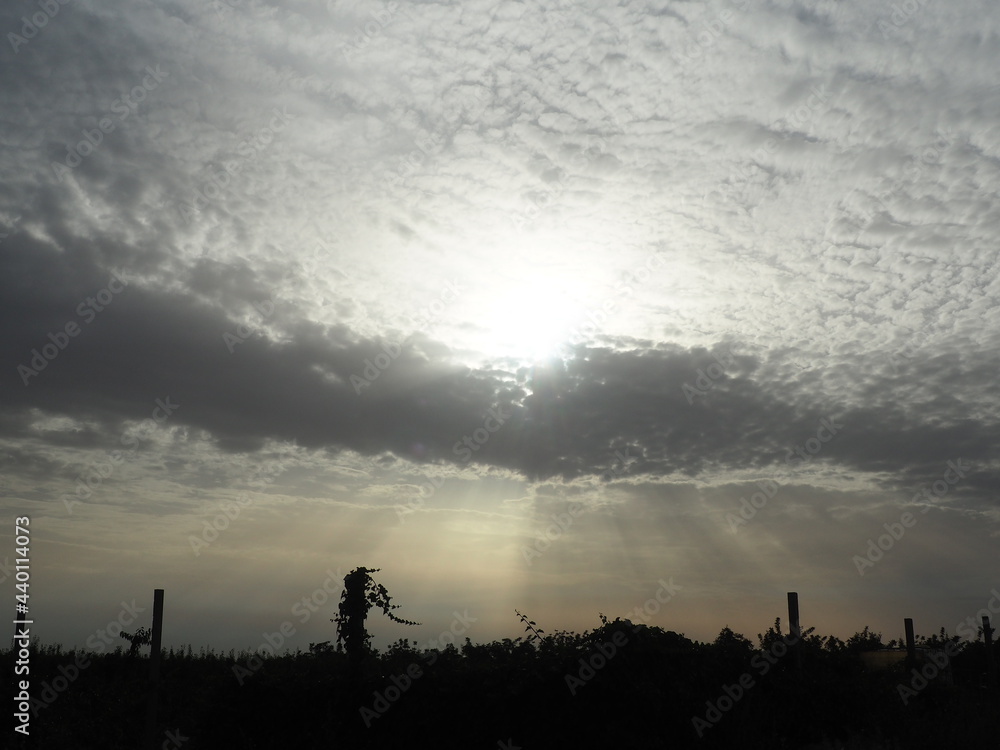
(152, 703)
(911, 644)
(991, 662)
(794, 628)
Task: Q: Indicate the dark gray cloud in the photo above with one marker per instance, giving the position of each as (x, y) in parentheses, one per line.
(671, 410)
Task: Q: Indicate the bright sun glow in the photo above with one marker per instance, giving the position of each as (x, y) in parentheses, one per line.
(532, 320)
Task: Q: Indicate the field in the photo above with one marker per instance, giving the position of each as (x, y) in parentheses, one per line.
(619, 685)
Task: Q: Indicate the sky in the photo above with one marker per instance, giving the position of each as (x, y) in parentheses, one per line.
(656, 310)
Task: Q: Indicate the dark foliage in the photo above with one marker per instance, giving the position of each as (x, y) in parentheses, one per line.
(141, 637)
(361, 593)
(550, 691)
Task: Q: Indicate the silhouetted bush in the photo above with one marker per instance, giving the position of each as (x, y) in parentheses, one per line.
(549, 691)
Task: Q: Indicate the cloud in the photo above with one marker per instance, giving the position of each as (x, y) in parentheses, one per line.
(673, 410)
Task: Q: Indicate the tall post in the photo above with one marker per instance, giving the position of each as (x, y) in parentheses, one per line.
(794, 628)
(351, 625)
(154, 670)
(991, 661)
(911, 644)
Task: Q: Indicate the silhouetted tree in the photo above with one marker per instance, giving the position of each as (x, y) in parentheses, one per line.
(733, 645)
(864, 640)
(141, 637)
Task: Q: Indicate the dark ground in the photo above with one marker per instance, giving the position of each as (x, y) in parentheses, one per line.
(516, 694)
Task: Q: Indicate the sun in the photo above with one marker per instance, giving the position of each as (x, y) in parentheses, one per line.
(531, 318)
(530, 298)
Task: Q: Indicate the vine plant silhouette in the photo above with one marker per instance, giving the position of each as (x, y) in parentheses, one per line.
(141, 637)
(361, 593)
(531, 627)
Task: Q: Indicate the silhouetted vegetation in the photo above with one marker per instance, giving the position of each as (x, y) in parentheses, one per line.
(138, 639)
(620, 685)
(360, 594)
